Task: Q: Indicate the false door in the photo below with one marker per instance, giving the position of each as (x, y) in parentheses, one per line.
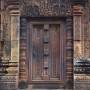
(46, 51)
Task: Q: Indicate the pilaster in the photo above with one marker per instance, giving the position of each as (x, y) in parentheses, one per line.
(78, 31)
(23, 65)
(15, 34)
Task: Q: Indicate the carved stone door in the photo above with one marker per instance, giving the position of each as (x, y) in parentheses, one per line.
(47, 40)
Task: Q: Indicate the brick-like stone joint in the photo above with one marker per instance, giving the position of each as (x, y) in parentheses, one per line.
(78, 12)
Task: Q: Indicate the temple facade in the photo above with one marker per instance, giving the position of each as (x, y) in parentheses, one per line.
(39, 39)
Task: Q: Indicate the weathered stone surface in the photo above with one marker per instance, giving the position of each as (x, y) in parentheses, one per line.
(82, 85)
(15, 38)
(38, 8)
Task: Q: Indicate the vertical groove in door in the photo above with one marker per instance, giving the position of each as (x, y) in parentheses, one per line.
(61, 54)
(46, 52)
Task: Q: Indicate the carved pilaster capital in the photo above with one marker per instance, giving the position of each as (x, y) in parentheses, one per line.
(12, 6)
(14, 12)
(78, 10)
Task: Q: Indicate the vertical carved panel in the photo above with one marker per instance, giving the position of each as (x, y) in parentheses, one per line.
(37, 51)
(55, 50)
(78, 21)
(77, 28)
(15, 26)
(15, 37)
(46, 41)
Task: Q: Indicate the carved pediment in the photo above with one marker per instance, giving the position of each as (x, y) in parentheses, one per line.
(45, 7)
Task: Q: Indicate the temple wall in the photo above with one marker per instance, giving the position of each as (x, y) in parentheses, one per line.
(10, 58)
(41, 8)
(77, 32)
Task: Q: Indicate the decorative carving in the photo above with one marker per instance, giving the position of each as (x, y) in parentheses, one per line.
(45, 7)
(77, 10)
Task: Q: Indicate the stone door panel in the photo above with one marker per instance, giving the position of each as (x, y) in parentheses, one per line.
(46, 51)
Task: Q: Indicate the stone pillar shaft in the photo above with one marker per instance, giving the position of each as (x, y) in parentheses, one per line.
(15, 27)
(77, 27)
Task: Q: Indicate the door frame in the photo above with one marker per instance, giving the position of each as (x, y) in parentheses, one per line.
(45, 21)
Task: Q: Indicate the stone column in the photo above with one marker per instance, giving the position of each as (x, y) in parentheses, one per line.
(78, 31)
(15, 27)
